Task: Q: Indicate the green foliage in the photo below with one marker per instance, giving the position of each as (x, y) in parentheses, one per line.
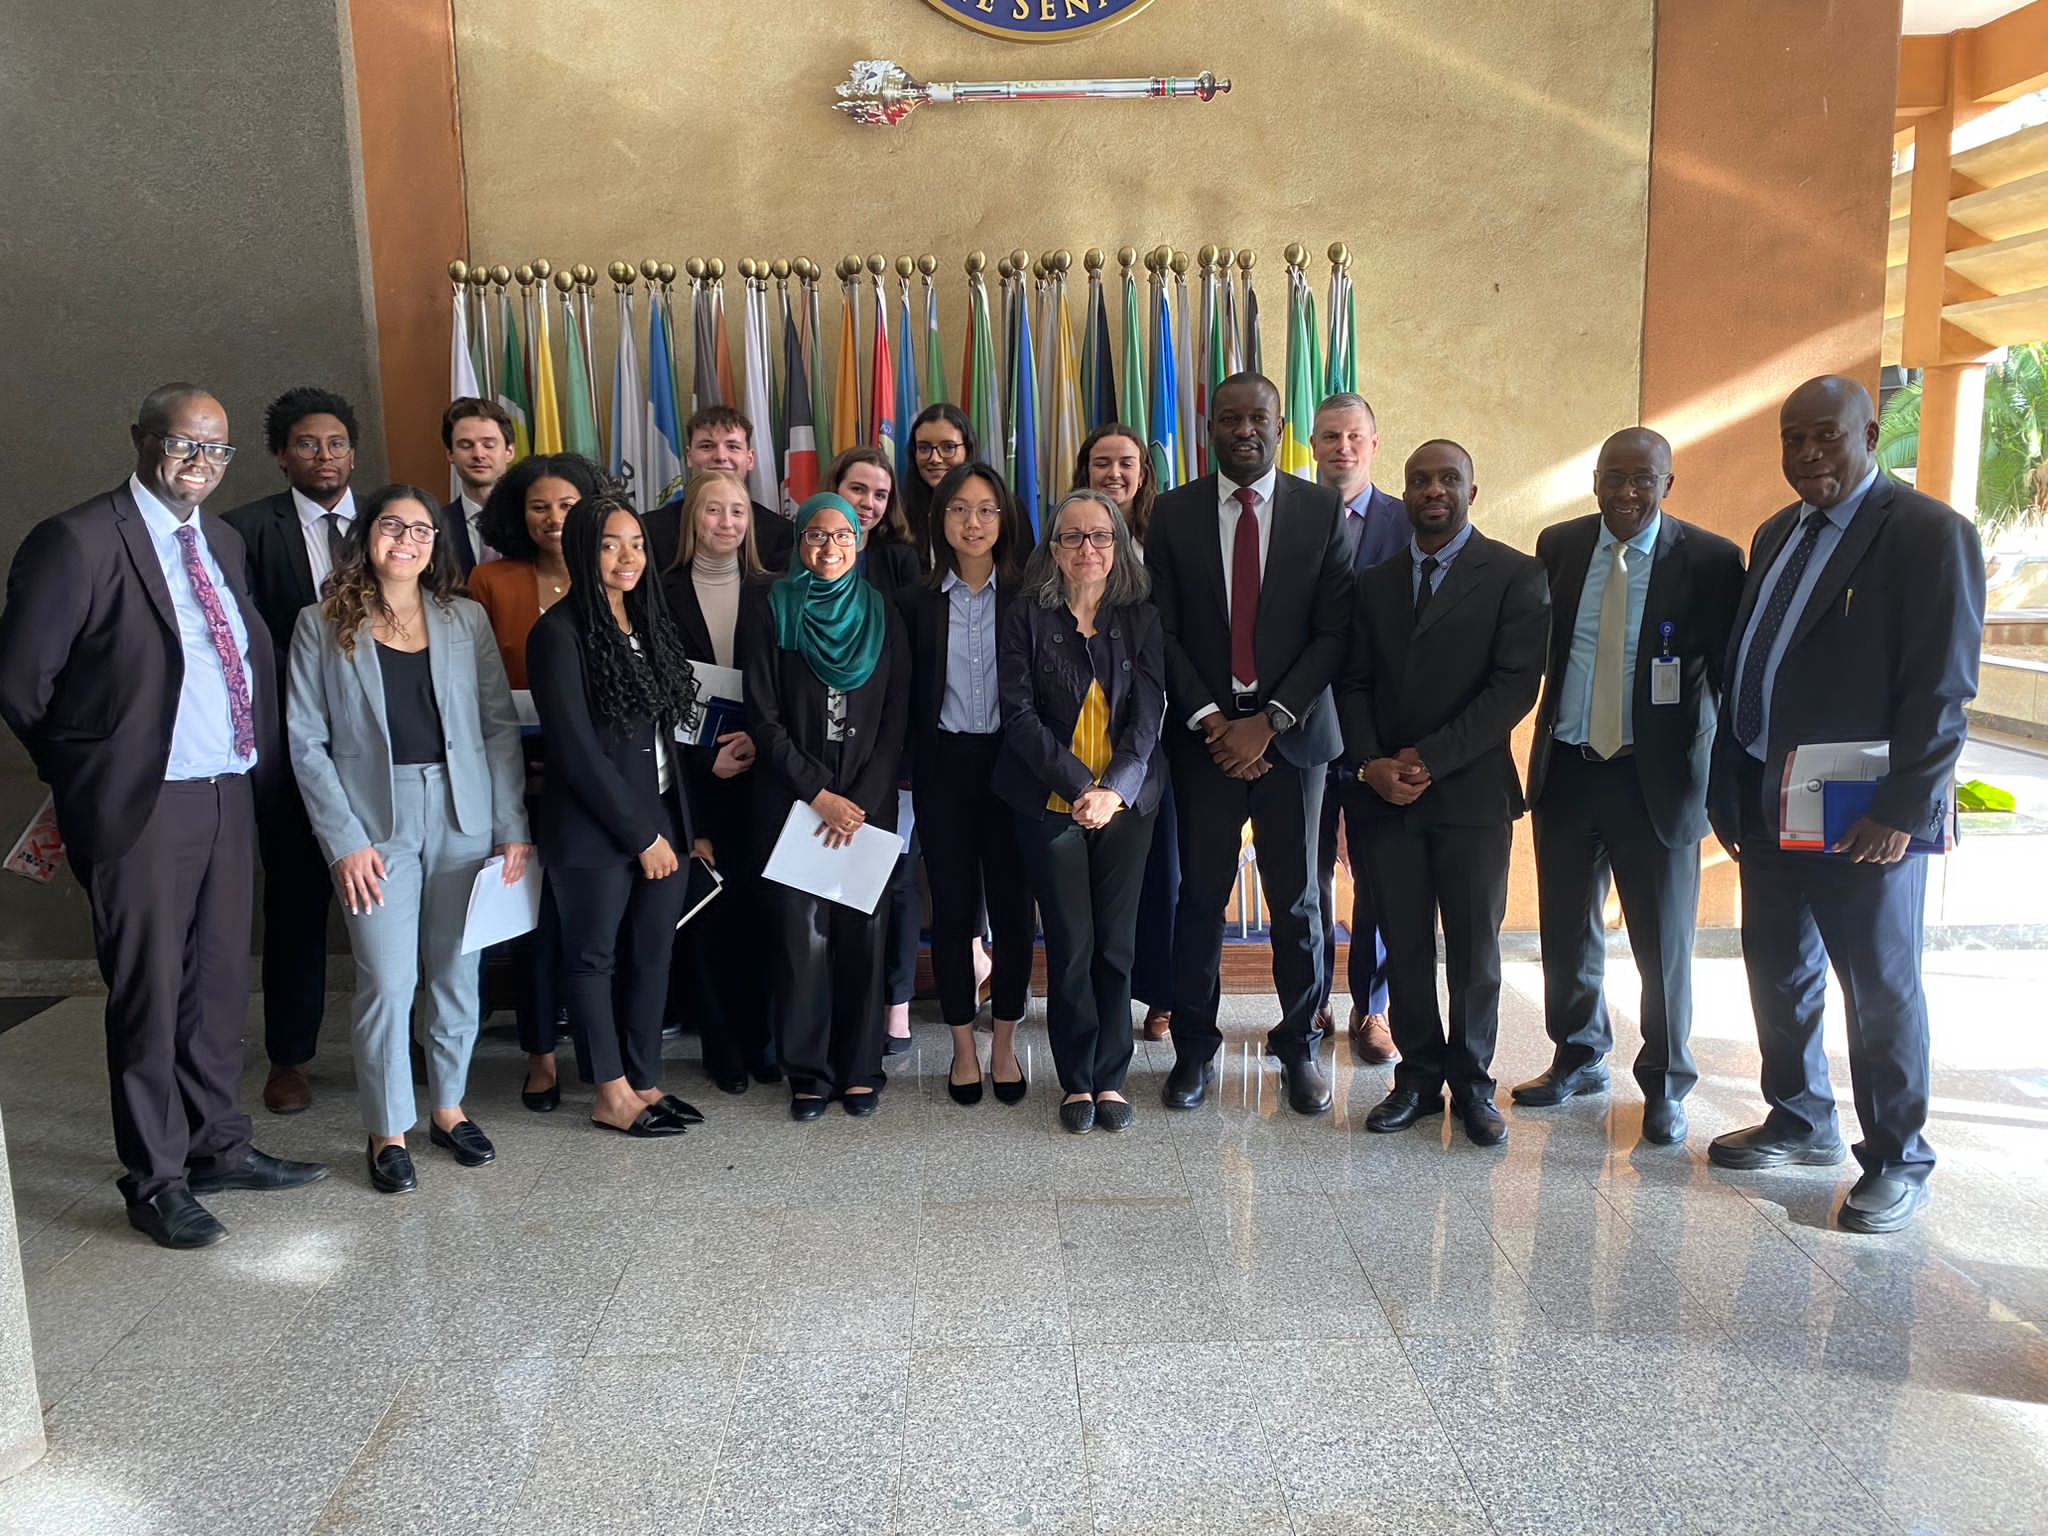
(2012, 480)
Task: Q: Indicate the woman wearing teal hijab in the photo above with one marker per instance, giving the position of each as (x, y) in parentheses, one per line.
(827, 683)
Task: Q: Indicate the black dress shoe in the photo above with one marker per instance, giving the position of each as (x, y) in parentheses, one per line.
(895, 1045)
(1078, 1116)
(174, 1219)
(542, 1101)
(964, 1093)
(472, 1148)
(1554, 1087)
(1663, 1122)
(648, 1123)
(861, 1105)
(1308, 1091)
(1113, 1114)
(1761, 1147)
(1401, 1109)
(806, 1108)
(260, 1171)
(734, 1085)
(680, 1110)
(391, 1170)
(1483, 1124)
(1187, 1084)
(1879, 1203)
(1008, 1093)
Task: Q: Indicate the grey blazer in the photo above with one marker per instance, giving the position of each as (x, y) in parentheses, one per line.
(341, 740)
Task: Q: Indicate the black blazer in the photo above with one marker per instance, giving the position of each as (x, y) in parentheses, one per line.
(1045, 672)
(599, 800)
(1886, 649)
(1304, 611)
(279, 574)
(1454, 686)
(891, 568)
(696, 636)
(455, 534)
(926, 611)
(91, 664)
(785, 707)
(774, 536)
(1695, 583)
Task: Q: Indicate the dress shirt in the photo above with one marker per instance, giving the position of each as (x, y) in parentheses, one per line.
(1444, 557)
(312, 523)
(1836, 524)
(203, 735)
(968, 706)
(1228, 510)
(472, 514)
(1575, 692)
(1356, 512)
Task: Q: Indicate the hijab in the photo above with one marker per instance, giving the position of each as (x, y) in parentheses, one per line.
(839, 626)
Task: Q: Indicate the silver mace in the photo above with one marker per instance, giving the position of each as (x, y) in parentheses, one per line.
(880, 92)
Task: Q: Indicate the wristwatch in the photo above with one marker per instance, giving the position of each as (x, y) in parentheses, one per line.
(1277, 716)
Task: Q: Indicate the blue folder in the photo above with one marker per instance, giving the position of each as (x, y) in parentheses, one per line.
(1844, 801)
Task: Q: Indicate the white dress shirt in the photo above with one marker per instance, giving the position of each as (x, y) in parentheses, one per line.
(313, 525)
(1228, 510)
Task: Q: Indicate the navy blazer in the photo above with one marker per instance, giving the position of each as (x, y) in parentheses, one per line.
(1885, 649)
(1383, 533)
(455, 534)
(1044, 671)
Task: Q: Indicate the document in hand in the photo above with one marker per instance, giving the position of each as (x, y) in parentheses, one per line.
(498, 911)
(1828, 787)
(854, 876)
(523, 708)
(718, 705)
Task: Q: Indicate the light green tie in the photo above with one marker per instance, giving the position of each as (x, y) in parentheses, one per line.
(1603, 727)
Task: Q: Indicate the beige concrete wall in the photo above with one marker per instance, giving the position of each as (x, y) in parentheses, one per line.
(1488, 165)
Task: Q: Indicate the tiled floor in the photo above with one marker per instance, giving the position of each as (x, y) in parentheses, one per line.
(947, 1320)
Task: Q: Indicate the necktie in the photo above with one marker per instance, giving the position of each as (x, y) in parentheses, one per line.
(1426, 588)
(1603, 724)
(1244, 588)
(1749, 701)
(240, 717)
(337, 541)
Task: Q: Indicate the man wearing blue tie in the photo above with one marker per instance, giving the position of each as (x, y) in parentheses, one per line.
(1861, 620)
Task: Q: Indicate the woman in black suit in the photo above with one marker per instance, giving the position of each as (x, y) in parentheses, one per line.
(940, 442)
(954, 620)
(1084, 690)
(827, 679)
(611, 685)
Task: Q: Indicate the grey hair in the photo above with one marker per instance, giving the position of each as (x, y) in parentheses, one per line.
(154, 414)
(1350, 400)
(1129, 582)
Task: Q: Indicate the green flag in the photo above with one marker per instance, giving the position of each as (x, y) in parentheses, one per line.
(984, 406)
(1131, 409)
(1300, 403)
(579, 421)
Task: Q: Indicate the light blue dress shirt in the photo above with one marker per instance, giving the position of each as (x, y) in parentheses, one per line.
(969, 706)
(1444, 557)
(1575, 693)
(203, 735)
(1837, 523)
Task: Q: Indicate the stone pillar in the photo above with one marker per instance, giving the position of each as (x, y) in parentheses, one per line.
(21, 1403)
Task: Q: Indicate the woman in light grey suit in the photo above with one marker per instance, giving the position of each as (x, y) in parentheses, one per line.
(407, 752)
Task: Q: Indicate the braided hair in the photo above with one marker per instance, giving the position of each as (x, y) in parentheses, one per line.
(628, 688)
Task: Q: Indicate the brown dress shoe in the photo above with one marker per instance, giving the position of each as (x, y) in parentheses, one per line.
(288, 1092)
(1158, 1023)
(1371, 1039)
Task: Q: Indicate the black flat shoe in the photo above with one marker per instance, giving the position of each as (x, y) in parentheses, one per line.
(809, 1107)
(645, 1124)
(861, 1105)
(174, 1219)
(681, 1110)
(391, 1170)
(543, 1101)
(1009, 1093)
(1113, 1114)
(895, 1045)
(472, 1148)
(734, 1085)
(964, 1093)
(1078, 1116)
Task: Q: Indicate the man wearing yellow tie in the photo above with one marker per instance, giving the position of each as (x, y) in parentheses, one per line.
(1639, 619)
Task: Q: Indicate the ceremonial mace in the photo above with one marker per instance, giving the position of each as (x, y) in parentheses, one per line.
(880, 92)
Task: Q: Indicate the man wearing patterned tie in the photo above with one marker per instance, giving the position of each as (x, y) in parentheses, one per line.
(1861, 620)
(1640, 608)
(135, 670)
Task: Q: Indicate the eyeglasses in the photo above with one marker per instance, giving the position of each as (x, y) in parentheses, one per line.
(312, 447)
(1095, 538)
(399, 528)
(950, 450)
(985, 513)
(818, 538)
(186, 449)
(1614, 480)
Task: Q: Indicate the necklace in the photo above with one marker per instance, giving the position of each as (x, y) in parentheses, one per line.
(401, 628)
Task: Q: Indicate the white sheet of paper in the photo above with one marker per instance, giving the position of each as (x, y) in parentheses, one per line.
(498, 911)
(1807, 768)
(854, 876)
(522, 706)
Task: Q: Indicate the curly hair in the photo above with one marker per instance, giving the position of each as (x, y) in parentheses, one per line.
(503, 521)
(352, 593)
(629, 687)
(295, 405)
(1148, 489)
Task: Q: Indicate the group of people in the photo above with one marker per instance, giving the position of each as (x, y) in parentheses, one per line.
(1067, 727)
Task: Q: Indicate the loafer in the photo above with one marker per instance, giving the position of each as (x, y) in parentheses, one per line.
(1484, 1126)
(287, 1091)
(1401, 1109)
(1158, 1023)
(472, 1148)
(1759, 1146)
(1113, 1114)
(1008, 1093)
(391, 1171)
(646, 1125)
(1555, 1085)
(806, 1108)
(1308, 1091)
(861, 1105)
(259, 1171)
(1880, 1203)
(1187, 1084)
(1078, 1117)
(175, 1219)
(1372, 1039)
(1663, 1122)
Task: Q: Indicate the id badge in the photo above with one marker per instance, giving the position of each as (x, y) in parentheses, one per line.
(1664, 680)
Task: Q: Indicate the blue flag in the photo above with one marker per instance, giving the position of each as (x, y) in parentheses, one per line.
(1023, 437)
(1164, 406)
(908, 403)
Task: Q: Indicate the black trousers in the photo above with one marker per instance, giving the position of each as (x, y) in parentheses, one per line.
(1365, 976)
(298, 893)
(618, 930)
(1088, 884)
(1420, 871)
(170, 925)
(723, 954)
(1802, 912)
(828, 992)
(1284, 807)
(1592, 823)
(901, 920)
(1152, 966)
(972, 862)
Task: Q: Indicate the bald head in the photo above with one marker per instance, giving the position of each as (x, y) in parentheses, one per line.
(1827, 432)
(1631, 478)
(1437, 487)
(179, 433)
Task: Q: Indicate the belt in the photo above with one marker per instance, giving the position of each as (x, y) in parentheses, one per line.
(1246, 703)
(1594, 757)
(212, 778)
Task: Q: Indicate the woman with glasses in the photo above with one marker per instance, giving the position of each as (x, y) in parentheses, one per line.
(954, 621)
(827, 683)
(940, 442)
(1084, 689)
(407, 754)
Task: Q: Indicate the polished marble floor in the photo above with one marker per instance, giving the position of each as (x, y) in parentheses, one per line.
(962, 1321)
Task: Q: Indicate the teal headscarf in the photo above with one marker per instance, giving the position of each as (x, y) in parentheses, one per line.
(840, 626)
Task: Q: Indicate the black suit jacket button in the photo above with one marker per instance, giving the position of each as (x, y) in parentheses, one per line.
(1127, 666)
(851, 732)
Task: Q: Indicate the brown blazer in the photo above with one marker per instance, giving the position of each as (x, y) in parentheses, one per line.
(508, 591)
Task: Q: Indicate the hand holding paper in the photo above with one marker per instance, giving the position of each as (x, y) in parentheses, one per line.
(853, 873)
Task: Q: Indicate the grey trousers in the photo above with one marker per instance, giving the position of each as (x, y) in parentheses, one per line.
(429, 866)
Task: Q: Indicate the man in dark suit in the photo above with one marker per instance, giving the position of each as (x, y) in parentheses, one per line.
(1250, 575)
(1640, 609)
(1861, 620)
(293, 540)
(478, 436)
(1345, 439)
(134, 670)
(719, 437)
(1446, 658)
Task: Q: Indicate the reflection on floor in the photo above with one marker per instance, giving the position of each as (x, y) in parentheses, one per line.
(960, 1320)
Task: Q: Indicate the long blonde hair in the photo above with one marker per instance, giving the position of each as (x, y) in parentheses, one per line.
(693, 499)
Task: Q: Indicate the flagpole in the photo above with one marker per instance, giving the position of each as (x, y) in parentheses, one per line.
(527, 279)
(1183, 365)
(480, 331)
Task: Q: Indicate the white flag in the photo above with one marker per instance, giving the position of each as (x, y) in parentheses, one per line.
(462, 384)
(764, 481)
(629, 414)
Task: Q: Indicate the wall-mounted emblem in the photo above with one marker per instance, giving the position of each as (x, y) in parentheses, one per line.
(1039, 21)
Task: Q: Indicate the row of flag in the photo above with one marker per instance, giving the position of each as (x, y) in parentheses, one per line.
(1030, 391)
